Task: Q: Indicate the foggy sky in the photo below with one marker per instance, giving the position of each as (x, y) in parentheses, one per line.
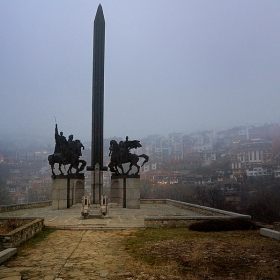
(170, 66)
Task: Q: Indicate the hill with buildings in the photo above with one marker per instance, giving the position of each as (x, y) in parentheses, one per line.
(227, 169)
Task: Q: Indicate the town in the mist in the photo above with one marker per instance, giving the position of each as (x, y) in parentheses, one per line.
(139, 139)
(231, 162)
(197, 84)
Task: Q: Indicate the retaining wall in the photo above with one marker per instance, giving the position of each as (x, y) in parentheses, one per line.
(13, 207)
(21, 234)
(186, 221)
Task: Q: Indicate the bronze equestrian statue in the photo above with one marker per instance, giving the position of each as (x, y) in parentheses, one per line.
(120, 154)
(66, 152)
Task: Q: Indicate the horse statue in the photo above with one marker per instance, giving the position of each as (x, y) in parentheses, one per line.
(74, 162)
(66, 152)
(120, 154)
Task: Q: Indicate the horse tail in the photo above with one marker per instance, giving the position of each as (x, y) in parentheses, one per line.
(145, 157)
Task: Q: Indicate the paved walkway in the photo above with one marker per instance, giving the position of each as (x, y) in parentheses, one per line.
(84, 253)
(118, 218)
(75, 255)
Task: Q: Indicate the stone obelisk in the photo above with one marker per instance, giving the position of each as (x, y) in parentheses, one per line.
(97, 106)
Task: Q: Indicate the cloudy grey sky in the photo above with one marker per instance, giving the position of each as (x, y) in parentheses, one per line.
(170, 66)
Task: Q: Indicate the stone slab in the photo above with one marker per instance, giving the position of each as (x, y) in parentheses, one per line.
(6, 254)
(117, 191)
(120, 176)
(59, 204)
(59, 193)
(270, 233)
(77, 190)
(133, 193)
(59, 184)
(133, 203)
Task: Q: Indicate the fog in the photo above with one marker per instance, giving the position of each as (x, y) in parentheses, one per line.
(170, 66)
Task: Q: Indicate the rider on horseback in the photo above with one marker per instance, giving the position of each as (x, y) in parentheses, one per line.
(66, 152)
(120, 154)
(61, 145)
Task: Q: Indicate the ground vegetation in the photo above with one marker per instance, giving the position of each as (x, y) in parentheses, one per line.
(184, 254)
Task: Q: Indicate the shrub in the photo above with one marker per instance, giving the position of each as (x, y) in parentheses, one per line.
(224, 225)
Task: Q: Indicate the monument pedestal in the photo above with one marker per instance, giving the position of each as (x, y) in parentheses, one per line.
(59, 193)
(125, 190)
(67, 190)
(117, 193)
(97, 186)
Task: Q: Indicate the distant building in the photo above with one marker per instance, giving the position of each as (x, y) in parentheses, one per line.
(203, 141)
(156, 147)
(249, 154)
(258, 171)
(176, 146)
(200, 146)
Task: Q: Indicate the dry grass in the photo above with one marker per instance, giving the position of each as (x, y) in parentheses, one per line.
(184, 254)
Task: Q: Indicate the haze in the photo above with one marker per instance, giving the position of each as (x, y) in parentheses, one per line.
(170, 66)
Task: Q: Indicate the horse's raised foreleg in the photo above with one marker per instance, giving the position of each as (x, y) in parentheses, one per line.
(83, 165)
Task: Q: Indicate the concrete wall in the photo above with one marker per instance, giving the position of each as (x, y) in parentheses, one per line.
(193, 207)
(270, 233)
(186, 221)
(173, 222)
(14, 207)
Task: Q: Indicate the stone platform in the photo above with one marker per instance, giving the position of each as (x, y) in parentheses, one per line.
(152, 213)
(88, 250)
(118, 218)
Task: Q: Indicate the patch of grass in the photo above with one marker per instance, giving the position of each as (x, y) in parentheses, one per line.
(152, 236)
(207, 255)
(40, 236)
(224, 225)
(32, 242)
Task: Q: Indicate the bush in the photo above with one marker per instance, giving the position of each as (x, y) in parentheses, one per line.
(224, 225)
